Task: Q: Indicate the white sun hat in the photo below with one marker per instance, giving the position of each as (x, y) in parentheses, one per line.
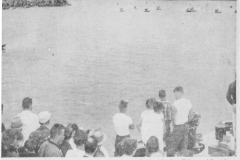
(44, 116)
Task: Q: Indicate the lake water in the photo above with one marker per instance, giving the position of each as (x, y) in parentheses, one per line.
(79, 61)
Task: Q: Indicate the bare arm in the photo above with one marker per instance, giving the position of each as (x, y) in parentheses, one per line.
(191, 115)
(139, 125)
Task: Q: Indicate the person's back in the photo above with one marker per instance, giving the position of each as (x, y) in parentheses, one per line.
(153, 125)
(30, 120)
(121, 123)
(182, 107)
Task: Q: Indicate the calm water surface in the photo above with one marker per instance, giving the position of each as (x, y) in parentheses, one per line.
(79, 61)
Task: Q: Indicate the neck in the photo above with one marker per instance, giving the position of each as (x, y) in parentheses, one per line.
(46, 125)
(54, 140)
(163, 99)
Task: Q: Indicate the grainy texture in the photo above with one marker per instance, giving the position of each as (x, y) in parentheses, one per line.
(79, 61)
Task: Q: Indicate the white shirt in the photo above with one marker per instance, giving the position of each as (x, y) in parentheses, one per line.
(121, 123)
(182, 107)
(152, 125)
(146, 112)
(72, 144)
(30, 123)
(75, 153)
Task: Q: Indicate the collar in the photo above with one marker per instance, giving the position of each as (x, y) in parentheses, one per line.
(53, 143)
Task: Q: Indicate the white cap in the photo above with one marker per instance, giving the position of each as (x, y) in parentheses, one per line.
(44, 116)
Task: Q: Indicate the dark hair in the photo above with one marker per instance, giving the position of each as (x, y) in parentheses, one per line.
(75, 127)
(9, 135)
(162, 94)
(129, 146)
(152, 145)
(150, 102)
(122, 105)
(158, 106)
(26, 103)
(90, 145)
(80, 138)
(68, 132)
(56, 130)
(185, 153)
(178, 89)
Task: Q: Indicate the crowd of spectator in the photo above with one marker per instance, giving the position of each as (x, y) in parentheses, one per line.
(163, 133)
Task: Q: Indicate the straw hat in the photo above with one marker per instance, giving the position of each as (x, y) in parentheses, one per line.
(99, 136)
(16, 123)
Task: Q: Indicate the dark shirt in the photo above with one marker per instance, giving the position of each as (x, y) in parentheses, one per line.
(38, 137)
(3, 127)
(50, 149)
(65, 146)
(231, 94)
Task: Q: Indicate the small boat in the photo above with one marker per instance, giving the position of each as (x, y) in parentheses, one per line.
(146, 10)
(121, 10)
(235, 11)
(231, 7)
(190, 10)
(3, 45)
(135, 7)
(158, 8)
(217, 11)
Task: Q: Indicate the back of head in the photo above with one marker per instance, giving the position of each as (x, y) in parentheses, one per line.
(185, 153)
(150, 102)
(178, 89)
(27, 103)
(90, 145)
(56, 130)
(80, 138)
(152, 145)
(158, 106)
(123, 105)
(68, 132)
(162, 94)
(129, 146)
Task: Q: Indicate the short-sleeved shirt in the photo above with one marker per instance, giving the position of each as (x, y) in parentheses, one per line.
(167, 110)
(152, 125)
(50, 149)
(121, 123)
(146, 112)
(30, 123)
(182, 107)
(38, 137)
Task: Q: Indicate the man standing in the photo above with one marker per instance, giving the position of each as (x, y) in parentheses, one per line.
(122, 124)
(30, 120)
(182, 112)
(38, 137)
(231, 97)
(167, 111)
(51, 148)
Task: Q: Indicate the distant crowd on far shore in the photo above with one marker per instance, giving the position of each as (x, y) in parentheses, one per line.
(6, 4)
